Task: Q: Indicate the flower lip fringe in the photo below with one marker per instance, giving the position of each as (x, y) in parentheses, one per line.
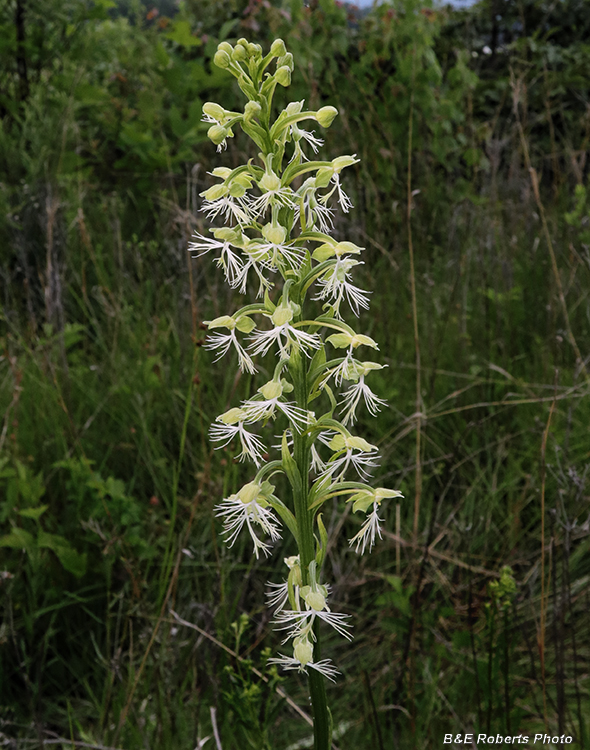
(276, 246)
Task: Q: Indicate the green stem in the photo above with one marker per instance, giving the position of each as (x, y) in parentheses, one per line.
(322, 724)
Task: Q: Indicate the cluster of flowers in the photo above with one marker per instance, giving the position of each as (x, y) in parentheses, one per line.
(275, 230)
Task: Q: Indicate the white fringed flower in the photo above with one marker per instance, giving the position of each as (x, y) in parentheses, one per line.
(369, 530)
(324, 666)
(371, 527)
(267, 407)
(343, 199)
(284, 335)
(299, 622)
(230, 425)
(224, 341)
(248, 507)
(348, 451)
(228, 259)
(335, 286)
(351, 397)
(273, 194)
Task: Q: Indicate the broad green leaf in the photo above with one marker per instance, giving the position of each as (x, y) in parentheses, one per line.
(18, 539)
(34, 513)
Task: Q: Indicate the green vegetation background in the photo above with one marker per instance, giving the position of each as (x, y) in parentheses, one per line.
(107, 477)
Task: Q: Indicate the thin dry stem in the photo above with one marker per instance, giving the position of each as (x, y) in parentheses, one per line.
(543, 613)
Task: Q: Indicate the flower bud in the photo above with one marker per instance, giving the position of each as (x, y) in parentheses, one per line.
(271, 390)
(226, 47)
(325, 116)
(283, 75)
(303, 652)
(254, 50)
(243, 42)
(277, 48)
(323, 177)
(249, 492)
(252, 110)
(222, 59)
(239, 53)
(286, 59)
(217, 133)
(216, 111)
(274, 233)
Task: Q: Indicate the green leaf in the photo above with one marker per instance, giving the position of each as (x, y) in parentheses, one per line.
(323, 543)
(226, 28)
(289, 465)
(18, 539)
(181, 34)
(72, 561)
(161, 55)
(395, 582)
(34, 513)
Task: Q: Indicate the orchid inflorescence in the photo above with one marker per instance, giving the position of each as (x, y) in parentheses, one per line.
(278, 241)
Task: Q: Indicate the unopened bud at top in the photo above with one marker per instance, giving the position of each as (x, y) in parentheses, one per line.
(325, 116)
(252, 110)
(283, 75)
(286, 59)
(222, 59)
(278, 48)
(239, 53)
